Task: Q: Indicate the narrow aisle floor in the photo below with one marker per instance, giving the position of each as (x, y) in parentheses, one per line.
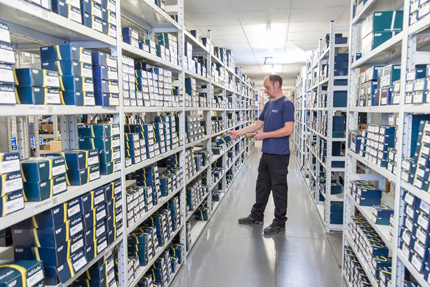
(229, 255)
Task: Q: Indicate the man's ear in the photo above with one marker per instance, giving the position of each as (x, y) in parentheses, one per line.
(276, 85)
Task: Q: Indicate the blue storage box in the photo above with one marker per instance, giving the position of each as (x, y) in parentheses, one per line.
(36, 77)
(28, 95)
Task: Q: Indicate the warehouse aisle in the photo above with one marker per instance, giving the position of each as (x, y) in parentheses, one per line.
(231, 255)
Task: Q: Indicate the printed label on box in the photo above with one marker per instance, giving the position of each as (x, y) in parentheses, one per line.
(9, 166)
(52, 81)
(117, 167)
(101, 215)
(53, 98)
(102, 247)
(74, 210)
(4, 35)
(78, 265)
(59, 188)
(116, 155)
(76, 229)
(58, 170)
(98, 26)
(13, 205)
(75, 15)
(35, 278)
(6, 75)
(94, 175)
(76, 246)
(89, 101)
(110, 265)
(6, 56)
(100, 231)
(88, 87)
(13, 185)
(93, 160)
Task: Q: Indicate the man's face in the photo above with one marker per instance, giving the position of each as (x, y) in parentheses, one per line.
(269, 88)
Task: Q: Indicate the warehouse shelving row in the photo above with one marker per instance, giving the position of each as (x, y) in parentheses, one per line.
(317, 125)
(396, 59)
(33, 26)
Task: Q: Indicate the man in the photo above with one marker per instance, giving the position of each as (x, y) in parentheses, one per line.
(277, 118)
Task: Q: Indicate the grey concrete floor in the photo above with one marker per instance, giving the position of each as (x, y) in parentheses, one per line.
(232, 255)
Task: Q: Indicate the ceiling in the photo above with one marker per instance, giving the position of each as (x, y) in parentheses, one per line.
(267, 36)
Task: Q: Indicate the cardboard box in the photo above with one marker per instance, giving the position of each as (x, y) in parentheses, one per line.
(69, 68)
(7, 94)
(36, 77)
(7, 55)
(38, 96)
(65, 52)
(10, 182)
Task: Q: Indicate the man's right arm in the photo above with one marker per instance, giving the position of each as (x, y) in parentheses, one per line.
(249, 129)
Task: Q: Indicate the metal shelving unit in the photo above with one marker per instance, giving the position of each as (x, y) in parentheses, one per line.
(314, 109)
(41, 27)
(400, 49)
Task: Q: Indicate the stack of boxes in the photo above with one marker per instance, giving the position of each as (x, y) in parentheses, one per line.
(133, 268)
(196, 191)
(139, 201)
(22, 273)
(377, 144)
(99, 16)
(368, 86)
(354, 271)
(149, 177)
(188, 57)
(70, 235)
(365, 194)
(195, 128)
(7, 60)
(105, 73)
(418, 169)
(12, 197)
(379, 27)
(106, 139)
(148, 239)
(131, 96)
(169, 43)
(414, 233)
(218, 124)
(38, 87)
(71, 10)
(195, 160)
(418, 10)
(130, 36)
(417, 86)
(74, 66)
(381, 214)
(43, 177)
(191, 97)
(102, 273)
(369, 246)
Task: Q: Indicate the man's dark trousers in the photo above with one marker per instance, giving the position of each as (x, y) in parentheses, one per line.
(272, 176)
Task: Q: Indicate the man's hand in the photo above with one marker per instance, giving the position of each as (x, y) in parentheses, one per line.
(260, 135)
(233, 134)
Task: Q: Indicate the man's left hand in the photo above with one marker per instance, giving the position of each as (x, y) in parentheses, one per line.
(260, 135)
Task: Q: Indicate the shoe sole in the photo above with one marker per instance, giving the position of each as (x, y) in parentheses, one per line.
(251, 223)
(273, 233)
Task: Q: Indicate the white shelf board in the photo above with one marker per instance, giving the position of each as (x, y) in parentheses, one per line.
(217, 203)
(196, 174)
(34, 208)
(417, 108)
(190, 109)
(149, 13)
(382, 171)
(143, 269)
(152, 109)
(196, 76)
(363, 262)
(195, 42)
(150, 161)
(421, 194)
(136, 53)
(36, 20)
(196, 142)
(39, 110)
(190, 213)
(382, 230)
(419, 277)
(386, 52)
(380, 109)
(217, 60)
(420, 25)
(162, 201)
(196, 231)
